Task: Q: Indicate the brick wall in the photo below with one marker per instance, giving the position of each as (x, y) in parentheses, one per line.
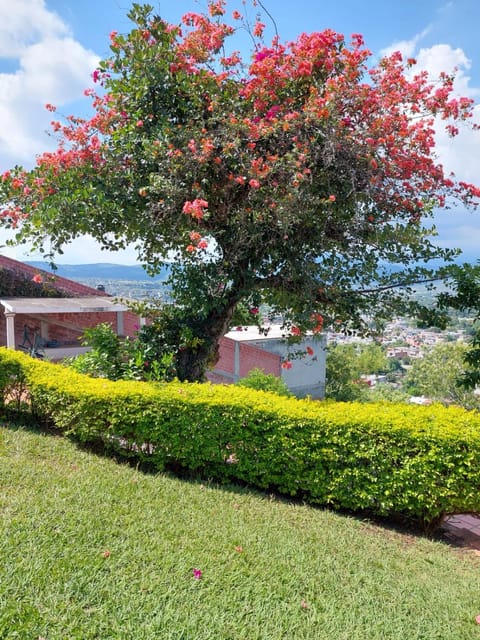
(226, 360)
(250, 358)
(63, 327)
(66, 328)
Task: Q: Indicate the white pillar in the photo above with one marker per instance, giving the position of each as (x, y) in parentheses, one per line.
(44, 329)
(119, 323)
(10, 317)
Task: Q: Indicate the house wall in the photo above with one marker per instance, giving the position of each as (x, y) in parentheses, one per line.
(305, 377)
(66, 328)
(63, 327)
(307, 374)
(249, 357)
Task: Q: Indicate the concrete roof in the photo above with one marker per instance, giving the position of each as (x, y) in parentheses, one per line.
(275, 332)
(248, 334)
(92, 304)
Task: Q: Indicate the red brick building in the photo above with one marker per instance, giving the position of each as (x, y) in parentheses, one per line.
(56, 309)
(58, 313)
(246, 349)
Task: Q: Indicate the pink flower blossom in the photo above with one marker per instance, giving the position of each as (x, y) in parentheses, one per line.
(37, 278)
(197, 574)
(272, 112)
(195, 208)
(258, 29)
(286, 364)
(255, 184)
(261, 55)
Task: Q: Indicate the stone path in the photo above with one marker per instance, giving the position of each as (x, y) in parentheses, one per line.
(463, 530)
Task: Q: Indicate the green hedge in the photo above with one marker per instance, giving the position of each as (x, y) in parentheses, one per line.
(420, 462)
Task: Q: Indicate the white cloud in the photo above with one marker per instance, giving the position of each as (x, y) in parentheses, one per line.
(45, 64)
(406, 47)
(50, 67)
(84, 250)
(461, 154)
(57, 70)
(24, 22)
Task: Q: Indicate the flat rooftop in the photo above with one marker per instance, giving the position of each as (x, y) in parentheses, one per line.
(91, 304)
(247, 334)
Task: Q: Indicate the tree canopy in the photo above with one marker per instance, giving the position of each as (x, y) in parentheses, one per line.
(294, 176)
(437, 375)
(346, 364)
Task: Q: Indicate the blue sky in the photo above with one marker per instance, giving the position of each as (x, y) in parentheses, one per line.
(48, 49)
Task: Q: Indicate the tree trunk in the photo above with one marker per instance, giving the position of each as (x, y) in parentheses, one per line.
(193, 362)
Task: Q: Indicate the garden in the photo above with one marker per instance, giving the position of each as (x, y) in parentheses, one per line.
(97, 542)
(300, 178)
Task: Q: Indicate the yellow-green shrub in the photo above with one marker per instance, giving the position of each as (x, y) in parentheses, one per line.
(422, 462)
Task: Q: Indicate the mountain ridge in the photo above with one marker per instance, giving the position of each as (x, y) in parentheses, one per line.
(100, 270)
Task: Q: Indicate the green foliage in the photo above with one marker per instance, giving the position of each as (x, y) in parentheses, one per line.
(421, 462)
(346, 363)
(463, 294)
(104, 360)
(95, 550)
(261, 381)
(437, 375)
(144, 357)
(385, 392)
(12, 385)
(372, 359)
(16, 283)
(284, 177)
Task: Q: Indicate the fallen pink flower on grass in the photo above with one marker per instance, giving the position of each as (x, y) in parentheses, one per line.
(477, 619)
(239, 549)
(197, 574)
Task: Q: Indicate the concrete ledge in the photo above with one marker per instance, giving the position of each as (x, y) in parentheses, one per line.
(60, 353)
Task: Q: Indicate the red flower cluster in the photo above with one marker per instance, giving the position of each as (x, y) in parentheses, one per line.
(195, 208)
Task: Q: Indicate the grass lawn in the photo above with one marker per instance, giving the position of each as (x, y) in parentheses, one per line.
(94, 549)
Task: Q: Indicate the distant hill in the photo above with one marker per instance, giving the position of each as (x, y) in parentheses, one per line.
(100, 271)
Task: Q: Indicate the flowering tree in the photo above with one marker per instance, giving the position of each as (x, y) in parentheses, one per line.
(295, 177)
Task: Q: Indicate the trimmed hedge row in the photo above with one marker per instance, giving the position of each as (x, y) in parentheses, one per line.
(419, 462)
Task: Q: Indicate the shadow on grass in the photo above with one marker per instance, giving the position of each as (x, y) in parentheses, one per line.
(407, 527)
